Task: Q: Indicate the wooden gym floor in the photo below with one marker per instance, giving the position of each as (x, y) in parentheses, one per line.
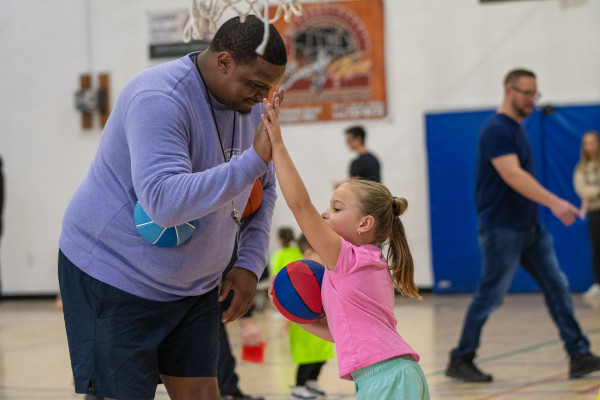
(520, 347)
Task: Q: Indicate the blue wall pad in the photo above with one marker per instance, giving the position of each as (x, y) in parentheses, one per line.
(555, 135)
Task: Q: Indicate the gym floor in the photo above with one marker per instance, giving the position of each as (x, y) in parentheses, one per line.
(520, 348)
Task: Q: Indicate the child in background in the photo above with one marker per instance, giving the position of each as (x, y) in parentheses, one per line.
(287, 253)
(308, 351)
(358, 284)
(586, 180)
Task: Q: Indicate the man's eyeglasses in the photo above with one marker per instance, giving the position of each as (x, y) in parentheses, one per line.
(535, 95)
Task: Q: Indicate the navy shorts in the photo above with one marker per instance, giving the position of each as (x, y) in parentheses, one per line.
(120, 343)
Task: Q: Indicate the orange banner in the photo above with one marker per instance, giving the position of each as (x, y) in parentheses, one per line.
(336, 68)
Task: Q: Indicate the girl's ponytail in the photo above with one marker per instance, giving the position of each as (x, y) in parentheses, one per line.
(398, 255)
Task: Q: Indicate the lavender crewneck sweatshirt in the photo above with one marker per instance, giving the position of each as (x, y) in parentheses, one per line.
(160, 147)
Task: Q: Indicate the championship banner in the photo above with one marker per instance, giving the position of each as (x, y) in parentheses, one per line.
(336, 65)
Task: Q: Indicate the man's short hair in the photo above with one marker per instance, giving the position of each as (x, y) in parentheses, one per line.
(516, 74)
(357, 132)
(241, 39)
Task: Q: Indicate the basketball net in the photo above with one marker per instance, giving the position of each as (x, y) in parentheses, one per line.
(205, 14)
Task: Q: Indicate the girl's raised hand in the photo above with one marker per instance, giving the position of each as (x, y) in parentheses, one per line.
(271, 121)
(276, 100)
(262, 142)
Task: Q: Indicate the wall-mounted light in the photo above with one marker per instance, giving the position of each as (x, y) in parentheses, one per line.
(89, 100)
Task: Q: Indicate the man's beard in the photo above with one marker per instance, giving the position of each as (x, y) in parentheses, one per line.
(521, 111)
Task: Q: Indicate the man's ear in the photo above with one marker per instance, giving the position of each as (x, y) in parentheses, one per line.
(366, 224)
(224, 61)
(507, 89)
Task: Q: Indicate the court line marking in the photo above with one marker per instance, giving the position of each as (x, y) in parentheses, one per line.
(534, 383)
(524, 386)
(593, 389)
(523, 350)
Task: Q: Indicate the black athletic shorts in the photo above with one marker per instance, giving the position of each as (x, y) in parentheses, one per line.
(120, 343)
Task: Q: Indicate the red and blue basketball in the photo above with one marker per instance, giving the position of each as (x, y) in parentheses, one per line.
(297, 291)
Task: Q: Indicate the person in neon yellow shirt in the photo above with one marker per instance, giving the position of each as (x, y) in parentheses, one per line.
(308, 351)
(287, 253)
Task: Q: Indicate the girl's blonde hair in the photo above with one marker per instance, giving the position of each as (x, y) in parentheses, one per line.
(584, 160)
(376, 200)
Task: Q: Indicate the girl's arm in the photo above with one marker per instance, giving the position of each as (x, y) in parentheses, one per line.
(321, 237)
(319, 328)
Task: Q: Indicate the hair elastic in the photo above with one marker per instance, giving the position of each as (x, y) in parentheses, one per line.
(395, 207)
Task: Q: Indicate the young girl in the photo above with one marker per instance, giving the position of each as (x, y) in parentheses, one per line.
(287, 253)
(586, 180)
(358, 285)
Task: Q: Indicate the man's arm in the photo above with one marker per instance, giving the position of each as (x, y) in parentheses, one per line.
(509, 169)
(254, 237)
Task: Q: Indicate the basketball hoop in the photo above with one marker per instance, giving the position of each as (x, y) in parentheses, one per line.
(205, 14)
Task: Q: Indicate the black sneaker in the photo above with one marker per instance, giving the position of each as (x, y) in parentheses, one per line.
(462, 368)
(582, 364)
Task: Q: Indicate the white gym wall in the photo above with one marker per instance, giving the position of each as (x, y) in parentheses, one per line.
(440, 55)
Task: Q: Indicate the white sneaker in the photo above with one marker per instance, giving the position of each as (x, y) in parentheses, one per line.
(302, 393)
(592, 296)
(314, 387)
(593, 291)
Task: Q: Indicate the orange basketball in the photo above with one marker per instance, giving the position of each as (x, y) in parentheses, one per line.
(254, 200)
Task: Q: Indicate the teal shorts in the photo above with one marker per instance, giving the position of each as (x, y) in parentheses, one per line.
(397, 378)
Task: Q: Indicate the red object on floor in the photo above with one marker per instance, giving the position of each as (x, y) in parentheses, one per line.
(255, 354)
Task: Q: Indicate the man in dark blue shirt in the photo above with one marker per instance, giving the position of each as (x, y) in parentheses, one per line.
(366, 165)
(507, 197)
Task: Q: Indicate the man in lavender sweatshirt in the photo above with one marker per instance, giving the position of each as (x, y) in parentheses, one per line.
(184, 140)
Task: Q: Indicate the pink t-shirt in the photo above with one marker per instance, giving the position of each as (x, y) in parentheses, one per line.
(358, 297)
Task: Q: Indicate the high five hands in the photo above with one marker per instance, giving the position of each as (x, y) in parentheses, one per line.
(262, 144)
(271, 122)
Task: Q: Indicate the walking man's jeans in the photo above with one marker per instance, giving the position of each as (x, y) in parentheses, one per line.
(503, 251)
